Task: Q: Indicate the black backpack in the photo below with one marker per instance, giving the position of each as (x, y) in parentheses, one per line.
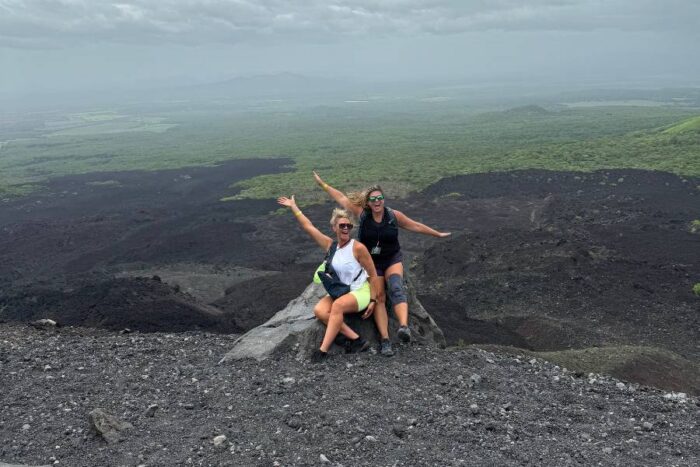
(329, 278)
(363, 216)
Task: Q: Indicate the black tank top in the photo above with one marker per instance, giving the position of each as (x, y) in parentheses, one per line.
(383, 235)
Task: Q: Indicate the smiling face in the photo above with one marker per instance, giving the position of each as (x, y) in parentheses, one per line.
(343, 228)
(375, 201)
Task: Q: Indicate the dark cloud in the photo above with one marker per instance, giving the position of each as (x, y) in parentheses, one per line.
(52, 23)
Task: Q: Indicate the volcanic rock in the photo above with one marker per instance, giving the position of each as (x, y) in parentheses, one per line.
(108, 426)
(296, 329)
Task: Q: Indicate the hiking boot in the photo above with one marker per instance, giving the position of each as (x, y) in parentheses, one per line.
(404, 334)
(318, 356)
(385, 348)
(342, 341)
(357, 346)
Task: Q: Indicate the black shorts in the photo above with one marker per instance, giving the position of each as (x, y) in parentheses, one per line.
(385, 263)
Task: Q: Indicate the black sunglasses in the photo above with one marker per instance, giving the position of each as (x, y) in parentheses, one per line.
(372, 199)
(345, 226)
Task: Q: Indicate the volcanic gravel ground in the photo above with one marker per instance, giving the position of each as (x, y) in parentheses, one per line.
(539, 260)
(581, 260)
(423, 407)
(82, 228)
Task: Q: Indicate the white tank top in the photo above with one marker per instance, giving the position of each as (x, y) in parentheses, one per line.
(347, 267)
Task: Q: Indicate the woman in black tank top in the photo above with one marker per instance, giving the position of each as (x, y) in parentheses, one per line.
(379, 232)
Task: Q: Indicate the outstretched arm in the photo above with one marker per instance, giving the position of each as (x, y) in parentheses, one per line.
(323, 241)
(338, 196)
(415, 226)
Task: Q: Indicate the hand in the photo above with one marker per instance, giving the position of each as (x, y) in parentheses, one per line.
(288, 202)
(369, 311)
(317, 177)
(444, 234)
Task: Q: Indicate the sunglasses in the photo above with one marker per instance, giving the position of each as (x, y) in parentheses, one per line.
(345, 226)
(372, 199)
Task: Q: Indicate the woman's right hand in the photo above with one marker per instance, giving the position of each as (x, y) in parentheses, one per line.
(288, 202)
(317, 177)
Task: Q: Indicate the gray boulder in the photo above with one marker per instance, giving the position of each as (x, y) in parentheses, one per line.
(108, 426)
(295, 329)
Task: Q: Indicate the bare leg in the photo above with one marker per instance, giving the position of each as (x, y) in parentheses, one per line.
(381, 318)
(343, 305)
(322, 310)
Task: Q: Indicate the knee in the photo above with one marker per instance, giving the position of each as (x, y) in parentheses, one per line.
(336, 309)
(320, 312)
(397, 290)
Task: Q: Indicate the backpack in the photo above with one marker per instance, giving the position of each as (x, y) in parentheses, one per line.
(363, 216)
(329, 278)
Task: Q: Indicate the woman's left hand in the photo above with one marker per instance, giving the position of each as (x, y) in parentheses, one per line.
(288, 202)
(369, 311)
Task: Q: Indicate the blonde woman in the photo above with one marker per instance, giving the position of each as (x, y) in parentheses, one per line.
(379, 232)
(354, 267)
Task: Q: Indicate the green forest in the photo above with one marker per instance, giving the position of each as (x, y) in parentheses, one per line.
(402, 147)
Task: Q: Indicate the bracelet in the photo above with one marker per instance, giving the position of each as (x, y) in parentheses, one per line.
(373, 300)
(297, 213)
(325, 186)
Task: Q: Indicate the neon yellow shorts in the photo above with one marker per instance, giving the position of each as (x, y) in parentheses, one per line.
(362, 295)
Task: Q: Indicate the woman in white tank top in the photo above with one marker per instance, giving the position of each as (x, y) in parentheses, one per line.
(353, 264)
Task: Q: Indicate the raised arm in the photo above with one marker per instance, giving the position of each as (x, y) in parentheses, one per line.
(322, 240)
(338, 196)
(376, 284)
(415, 226)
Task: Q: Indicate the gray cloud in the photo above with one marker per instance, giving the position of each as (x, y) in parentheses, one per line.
(66, 23)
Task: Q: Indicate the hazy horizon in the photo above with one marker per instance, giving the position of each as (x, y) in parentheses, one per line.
(76, 47)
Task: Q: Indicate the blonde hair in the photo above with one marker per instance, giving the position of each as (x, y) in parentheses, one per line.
(359, 198)
(340, 213)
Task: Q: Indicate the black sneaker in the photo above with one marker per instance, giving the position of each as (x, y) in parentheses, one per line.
(385, 348)
(404, 334)
(318, 356)
(342, 341)
(357, 346)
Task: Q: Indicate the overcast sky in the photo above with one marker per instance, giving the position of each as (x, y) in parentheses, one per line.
(58, 45)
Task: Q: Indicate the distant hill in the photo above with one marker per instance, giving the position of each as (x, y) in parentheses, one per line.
(692, 124)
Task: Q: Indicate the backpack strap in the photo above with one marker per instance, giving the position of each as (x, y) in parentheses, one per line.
(363, 217)
(392, 217)
(330, 253)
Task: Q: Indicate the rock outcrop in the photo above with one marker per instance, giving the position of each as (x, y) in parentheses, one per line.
(295, 329)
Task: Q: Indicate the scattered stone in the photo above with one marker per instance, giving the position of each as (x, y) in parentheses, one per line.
(109, 427)
(294, 423)
(371, 439)
(474, 409)
(324, 459)
(475, 379)
(26, 426)
(219, 440)
(676, 396)
(648, 426)
(151, 410)
(607, 450)
(44, 324)
(621, 386)
(288, 381)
